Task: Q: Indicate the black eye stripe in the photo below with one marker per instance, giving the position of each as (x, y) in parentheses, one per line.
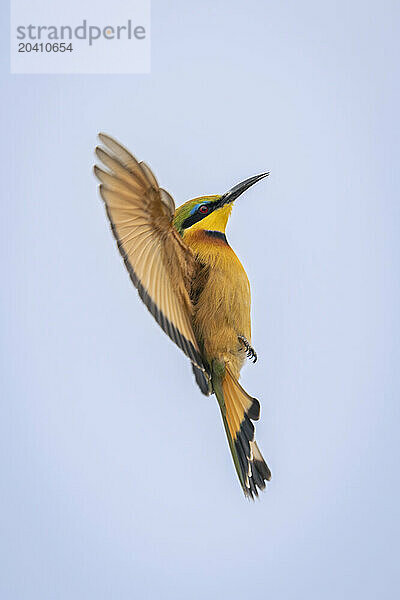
(198, 215)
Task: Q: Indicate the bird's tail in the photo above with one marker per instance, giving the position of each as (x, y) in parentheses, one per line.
(238, 410)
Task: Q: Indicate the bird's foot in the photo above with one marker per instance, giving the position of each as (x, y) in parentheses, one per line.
(251, 353)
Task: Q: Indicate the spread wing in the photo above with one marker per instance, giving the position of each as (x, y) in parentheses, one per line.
(158, 261)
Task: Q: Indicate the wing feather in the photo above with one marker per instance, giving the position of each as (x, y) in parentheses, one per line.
(159, 262)
(168, 201)
(149, 174)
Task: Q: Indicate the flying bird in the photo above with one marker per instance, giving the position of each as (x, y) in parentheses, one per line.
(193, 284)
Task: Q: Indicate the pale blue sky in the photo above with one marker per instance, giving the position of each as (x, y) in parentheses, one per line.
(116, 476)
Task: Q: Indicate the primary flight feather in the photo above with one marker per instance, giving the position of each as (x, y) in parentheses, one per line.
(193, 284)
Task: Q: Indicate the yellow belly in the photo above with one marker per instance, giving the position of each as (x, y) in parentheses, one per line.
(222, 311)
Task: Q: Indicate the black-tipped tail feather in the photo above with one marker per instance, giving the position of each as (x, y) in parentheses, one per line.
(238, 411)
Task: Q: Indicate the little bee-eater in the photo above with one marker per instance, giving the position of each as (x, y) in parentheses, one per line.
(194, 286)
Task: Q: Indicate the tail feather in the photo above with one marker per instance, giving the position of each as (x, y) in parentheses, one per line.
(238, 410)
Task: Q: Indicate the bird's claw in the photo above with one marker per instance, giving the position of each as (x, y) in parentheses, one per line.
(250, 352)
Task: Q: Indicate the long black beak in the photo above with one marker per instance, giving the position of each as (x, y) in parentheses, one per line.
(241, 187)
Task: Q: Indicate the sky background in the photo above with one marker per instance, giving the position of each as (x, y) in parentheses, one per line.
(116, 479)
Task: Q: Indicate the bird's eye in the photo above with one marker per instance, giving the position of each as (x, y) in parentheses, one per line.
(203, 209)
